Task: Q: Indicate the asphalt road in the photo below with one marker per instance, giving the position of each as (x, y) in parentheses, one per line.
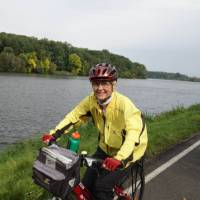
(181, 181)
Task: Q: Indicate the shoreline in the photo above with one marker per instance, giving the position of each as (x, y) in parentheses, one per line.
(67, 75)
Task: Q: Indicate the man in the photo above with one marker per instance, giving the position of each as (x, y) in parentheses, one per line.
(122, 131)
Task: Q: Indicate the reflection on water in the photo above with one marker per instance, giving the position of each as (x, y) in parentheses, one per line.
(29, 105)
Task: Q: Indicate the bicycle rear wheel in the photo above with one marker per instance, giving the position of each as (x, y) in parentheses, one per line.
(133, 184)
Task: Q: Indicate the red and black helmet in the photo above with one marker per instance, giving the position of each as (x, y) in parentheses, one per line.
(104, 72)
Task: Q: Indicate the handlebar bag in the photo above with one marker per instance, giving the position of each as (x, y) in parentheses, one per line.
(57, 170)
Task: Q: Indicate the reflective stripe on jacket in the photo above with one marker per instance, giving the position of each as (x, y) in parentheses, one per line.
(122, 131)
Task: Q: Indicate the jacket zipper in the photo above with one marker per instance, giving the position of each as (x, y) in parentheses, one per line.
(104, 120)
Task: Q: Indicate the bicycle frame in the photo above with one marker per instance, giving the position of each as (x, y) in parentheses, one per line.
(81, 192)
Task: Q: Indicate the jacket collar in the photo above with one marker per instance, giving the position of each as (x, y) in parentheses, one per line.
(110, 105)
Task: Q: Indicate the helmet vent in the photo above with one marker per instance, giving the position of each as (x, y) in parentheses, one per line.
(98, 71)
(112, 72)
(104, 71)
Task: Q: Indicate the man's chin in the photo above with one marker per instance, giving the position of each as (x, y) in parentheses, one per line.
(101, 98)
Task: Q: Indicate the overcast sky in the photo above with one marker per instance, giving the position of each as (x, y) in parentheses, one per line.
(164, 35)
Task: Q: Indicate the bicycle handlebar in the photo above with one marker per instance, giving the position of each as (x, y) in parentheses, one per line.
(89, 161)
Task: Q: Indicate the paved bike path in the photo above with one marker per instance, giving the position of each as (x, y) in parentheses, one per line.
(180, 181)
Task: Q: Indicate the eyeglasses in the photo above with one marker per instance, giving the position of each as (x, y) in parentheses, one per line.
(104, 84)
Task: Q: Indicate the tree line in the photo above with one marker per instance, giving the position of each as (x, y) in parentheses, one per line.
(171, 76)
(19, 53)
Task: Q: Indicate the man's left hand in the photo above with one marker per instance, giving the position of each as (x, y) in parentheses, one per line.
(111, 164)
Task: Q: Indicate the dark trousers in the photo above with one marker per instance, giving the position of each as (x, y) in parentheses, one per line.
(101, 182)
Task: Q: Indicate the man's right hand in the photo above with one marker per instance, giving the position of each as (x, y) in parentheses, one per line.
(48, 139)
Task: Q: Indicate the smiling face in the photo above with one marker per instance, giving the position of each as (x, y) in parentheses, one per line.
(102, 89)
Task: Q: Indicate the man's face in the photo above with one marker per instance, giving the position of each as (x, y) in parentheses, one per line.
(102, 89)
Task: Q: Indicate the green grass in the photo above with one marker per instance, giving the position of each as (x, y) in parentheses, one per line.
(16, 162)
(16, 171)
(172, 127)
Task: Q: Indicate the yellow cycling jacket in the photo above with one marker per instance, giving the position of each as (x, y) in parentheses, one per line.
(122, 131)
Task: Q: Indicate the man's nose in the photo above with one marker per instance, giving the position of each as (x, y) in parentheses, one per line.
(100, 86)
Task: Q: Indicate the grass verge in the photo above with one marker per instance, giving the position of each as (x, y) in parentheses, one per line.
(164, 130)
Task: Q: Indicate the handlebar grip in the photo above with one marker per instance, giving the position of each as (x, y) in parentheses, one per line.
(48, 139)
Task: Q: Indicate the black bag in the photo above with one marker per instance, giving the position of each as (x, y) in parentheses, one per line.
(57, 170)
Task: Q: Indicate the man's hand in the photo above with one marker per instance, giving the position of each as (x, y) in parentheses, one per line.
(48, 139)
(111, 164)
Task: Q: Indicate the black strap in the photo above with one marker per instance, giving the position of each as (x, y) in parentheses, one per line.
(125, 161)
(59, 132)
(143, 127)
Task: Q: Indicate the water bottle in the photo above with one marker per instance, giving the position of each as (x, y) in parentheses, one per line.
(74, 141)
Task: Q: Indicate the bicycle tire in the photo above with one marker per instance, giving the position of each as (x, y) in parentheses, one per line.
(133, 186)
(70, 197)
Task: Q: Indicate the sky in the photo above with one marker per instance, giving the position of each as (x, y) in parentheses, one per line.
(164, 35)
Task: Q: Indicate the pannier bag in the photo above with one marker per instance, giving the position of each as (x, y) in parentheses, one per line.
(57, 170)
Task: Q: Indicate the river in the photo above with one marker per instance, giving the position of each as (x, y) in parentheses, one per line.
(30, 105)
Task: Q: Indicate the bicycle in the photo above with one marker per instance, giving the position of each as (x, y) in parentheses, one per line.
(131, 187)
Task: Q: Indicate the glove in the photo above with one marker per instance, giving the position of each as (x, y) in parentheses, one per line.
(48, 139)
(111, 164)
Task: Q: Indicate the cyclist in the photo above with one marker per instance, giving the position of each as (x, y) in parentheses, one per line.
(122, 131)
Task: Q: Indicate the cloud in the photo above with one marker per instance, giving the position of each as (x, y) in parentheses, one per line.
(128, 26)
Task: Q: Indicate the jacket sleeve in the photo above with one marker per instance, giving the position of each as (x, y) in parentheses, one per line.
(73, 118)
(134, 126)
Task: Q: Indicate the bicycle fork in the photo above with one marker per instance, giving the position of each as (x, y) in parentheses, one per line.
(120, 193)
(82, 193)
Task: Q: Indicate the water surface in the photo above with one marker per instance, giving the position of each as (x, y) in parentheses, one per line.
(31, 105)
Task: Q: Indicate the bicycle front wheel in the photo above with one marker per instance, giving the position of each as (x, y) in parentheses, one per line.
(133, 184)
(69, 197)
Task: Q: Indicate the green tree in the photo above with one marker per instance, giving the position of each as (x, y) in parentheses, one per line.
(139, 71)
(75, 63)
(32, 53)
(8, 60)
(11, 63)
(8, 50)
(30, 60)
(52, 68)
(43, 66)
